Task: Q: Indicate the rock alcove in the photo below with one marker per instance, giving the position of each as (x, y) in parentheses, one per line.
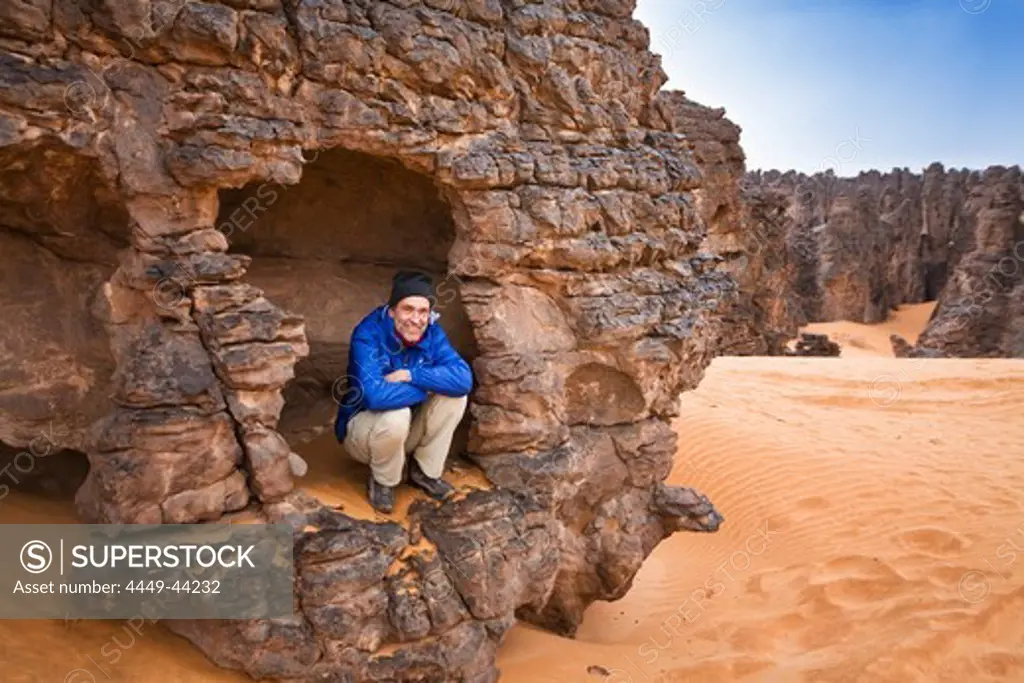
(447, 582)
(326, 249)
(187, 360)
(61, 226)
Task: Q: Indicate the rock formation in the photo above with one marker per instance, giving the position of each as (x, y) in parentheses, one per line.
(864, 245)
(747, 226)
(155, 213)
(980, 311)
(363, 586)
(814, 345)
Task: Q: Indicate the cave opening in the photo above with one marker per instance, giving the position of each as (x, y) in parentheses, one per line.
(62, 225)
(326, 248)
(934, 269)
(39, 480)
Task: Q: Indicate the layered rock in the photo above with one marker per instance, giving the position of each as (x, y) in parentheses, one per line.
(61, 225)
(438, 599)
(873, 241)
(584, 269)
(747, 226)
(980, 311)
(867, 244)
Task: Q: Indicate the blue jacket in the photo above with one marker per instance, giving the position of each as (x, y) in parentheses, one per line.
(376, 350)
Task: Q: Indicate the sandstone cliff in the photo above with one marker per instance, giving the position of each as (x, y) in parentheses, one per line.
(980, 311)
(866, 244)
(747, 227)
(199, 199)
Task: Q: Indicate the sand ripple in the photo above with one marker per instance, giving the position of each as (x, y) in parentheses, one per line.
(875, 530)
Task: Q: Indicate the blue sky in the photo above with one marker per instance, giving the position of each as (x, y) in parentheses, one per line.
(852, 85)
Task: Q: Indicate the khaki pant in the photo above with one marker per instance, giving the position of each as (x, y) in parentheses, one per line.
(382, 438)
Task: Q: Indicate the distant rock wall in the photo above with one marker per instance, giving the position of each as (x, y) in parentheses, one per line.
(867, 244)
(980, 310)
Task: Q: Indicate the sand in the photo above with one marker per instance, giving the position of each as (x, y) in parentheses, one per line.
(873, 340)
(874, 532)
(874, 519)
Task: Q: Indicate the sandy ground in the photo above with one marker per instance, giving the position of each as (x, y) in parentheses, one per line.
(874, 518)
(873, 340)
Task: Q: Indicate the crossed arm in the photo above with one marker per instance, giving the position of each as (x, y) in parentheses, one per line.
(379, 392)
(449, 375)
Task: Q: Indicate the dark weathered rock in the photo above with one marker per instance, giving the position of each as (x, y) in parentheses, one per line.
(686, 509)
(814, 345)
(527, 162)
(361, 586)
(747, 226)
(486, 542)
(900, 347)
(979, 311)
(851, 266)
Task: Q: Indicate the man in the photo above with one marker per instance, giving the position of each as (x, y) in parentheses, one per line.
(407, 392)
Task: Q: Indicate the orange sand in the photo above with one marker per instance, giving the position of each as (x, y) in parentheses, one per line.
(874, 518)
(338, 482)
(873, 340)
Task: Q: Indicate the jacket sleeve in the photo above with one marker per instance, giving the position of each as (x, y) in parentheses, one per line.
(378, 393)
(449, 374)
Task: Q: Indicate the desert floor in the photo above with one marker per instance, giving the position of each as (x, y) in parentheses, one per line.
(874, 531)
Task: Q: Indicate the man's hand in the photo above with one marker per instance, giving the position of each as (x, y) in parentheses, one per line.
(398, 376)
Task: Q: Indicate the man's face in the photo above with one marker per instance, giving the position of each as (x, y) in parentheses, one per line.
(411, 315)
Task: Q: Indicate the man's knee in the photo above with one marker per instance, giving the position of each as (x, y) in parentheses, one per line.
(451, 405)
(392, 427)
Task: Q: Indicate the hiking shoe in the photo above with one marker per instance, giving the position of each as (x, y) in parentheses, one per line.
(382, 498)
(438, 489)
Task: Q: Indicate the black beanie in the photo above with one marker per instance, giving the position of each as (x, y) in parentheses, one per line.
(410, 283)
